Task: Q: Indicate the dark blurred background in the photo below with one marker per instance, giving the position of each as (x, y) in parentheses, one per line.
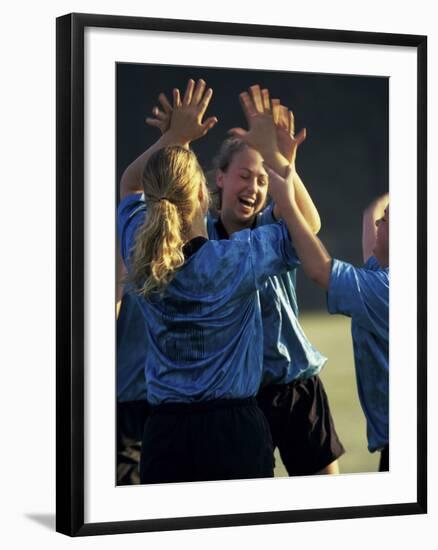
(343, 162)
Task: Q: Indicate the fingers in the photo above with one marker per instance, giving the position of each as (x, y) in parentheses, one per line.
(257, 98)
(193, 94)
(265, 100)
(291, 123)
(203, 104)
(301, 136)
(167, 107)
(273, 176)
(189, 92)
(176, 98)
(153, 122)
(159, 114)
(247, 105)
(208, 124)
(199, 90)
(239, 133)
(275, 104)
(284, 118)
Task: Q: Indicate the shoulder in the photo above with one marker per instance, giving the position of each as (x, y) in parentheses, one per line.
(266, 216)
(354, 289)
(373, 265)
(370, 274)
(130, 206)
(130, 215)
(362, 294)
(210, 221)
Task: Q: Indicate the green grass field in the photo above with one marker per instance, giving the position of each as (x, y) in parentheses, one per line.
(330, 334)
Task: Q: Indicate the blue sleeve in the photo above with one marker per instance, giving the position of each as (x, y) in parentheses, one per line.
(372, 264)
(130, 215)
(362, 294)
(271, 251)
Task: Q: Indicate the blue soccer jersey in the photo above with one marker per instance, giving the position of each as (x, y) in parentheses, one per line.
(131, 351)
(204, 335)
(287, 353)
(363, 295)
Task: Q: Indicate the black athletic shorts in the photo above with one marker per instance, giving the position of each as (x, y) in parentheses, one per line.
(131, 416)
(384, 460)
(210, 440)
(301, 425)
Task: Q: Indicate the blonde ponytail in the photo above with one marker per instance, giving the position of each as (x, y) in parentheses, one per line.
(171, 183)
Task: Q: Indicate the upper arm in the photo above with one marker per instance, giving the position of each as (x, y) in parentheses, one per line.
(121, 271)
(130, 215)
(130, 182)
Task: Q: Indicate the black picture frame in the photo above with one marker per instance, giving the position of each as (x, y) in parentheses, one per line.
(70, 273)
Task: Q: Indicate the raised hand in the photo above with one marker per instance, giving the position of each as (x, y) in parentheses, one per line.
(261, 134)
(183, 121)
(258, 102)
(288, 143)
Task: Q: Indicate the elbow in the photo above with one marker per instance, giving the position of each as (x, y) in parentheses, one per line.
(316, 226)
(313, 221)
(321, 275)
(128, 184)
(317, 279)
(124, 187)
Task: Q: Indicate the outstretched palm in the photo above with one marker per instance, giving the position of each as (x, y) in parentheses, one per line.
(261, 133)
(256, 106)
(184, 118)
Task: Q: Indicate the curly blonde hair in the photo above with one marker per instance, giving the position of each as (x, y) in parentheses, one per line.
(171, 180)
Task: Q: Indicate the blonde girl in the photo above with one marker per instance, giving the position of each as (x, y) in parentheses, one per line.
(200, 305)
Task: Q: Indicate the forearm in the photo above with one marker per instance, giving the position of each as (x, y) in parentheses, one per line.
(131, 180)
(305, 204)
(276, 162)
(315, 259)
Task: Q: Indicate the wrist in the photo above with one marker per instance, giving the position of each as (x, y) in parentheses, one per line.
(169, 138)
(277, 162)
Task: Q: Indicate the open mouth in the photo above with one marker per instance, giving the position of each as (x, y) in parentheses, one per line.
(247, 202)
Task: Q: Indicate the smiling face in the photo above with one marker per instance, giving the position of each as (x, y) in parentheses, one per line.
(244, 187)
(381, 248)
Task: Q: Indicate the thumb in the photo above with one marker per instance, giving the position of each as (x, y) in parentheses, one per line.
(153, 122)
(239, 133)
(208, 124)
(273, 176)
(301, 136)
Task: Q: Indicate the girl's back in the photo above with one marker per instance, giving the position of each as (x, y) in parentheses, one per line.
(204, 330)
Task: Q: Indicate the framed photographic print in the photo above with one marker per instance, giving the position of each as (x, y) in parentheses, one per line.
(362, 99)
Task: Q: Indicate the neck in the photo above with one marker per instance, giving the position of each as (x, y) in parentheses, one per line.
(198, 227)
